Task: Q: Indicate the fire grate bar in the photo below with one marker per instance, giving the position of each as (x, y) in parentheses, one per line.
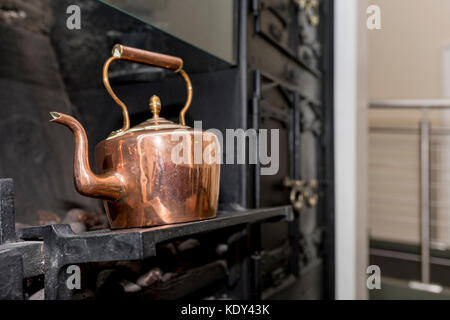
(63, 247)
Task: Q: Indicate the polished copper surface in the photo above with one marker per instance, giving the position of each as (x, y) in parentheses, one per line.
(157, 190)
(147, 57)
(107, 186)
(141, 184)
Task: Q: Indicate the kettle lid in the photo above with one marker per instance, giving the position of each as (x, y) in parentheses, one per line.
(154, 123)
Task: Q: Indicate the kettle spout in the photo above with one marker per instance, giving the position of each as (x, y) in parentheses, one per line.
(107, 186)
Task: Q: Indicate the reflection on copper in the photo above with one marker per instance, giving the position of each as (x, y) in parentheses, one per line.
(141, 184)
(157, 190)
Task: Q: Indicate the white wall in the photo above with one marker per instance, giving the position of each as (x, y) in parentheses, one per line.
(350, 149)
(405, 56)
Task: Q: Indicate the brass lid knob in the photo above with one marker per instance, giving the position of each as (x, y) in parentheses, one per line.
(155, 106)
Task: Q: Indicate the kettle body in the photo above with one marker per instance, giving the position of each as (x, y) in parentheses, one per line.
(160, 189)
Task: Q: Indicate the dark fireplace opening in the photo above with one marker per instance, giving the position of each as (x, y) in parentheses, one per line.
(271, 235)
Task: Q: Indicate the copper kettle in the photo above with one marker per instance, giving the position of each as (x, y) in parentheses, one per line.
(139, 181)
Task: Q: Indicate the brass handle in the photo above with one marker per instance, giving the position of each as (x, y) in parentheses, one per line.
(296, 196)
(311, 193)
(302, 191)
(121, 52)
(312, 12)
(147, 57)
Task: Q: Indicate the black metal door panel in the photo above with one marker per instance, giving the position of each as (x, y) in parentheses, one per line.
(285, 63)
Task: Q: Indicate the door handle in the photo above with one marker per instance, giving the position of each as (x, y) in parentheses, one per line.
(302, 192)
(296, 196)
(311, 193)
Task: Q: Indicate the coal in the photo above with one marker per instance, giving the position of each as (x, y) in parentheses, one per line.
(221, 249)
(47, 217)
(171, 248)
(104, 276)
(167, 276)
(87, 218)
(188, 244)
(108, 284)
(129, 287)
(78, 227)
(151, 277)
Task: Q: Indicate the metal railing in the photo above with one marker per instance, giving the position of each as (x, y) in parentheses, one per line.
(425, 132)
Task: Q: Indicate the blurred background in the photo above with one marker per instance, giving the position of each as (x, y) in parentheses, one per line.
(265, 64)
(392, 139)
(409, 147)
